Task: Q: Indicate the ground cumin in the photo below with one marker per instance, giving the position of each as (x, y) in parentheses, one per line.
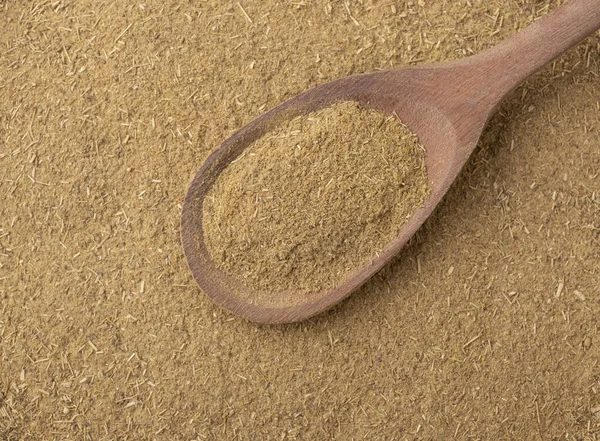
(314, 199)
(478, 330)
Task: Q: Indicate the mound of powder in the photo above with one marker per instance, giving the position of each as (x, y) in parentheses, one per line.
(314, 199)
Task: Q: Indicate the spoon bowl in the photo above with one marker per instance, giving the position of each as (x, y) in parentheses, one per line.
(446, 105)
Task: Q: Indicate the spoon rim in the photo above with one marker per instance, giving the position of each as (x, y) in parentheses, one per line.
(224, 289)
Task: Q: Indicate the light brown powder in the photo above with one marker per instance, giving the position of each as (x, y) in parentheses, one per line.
(107, 110)
(314, 199)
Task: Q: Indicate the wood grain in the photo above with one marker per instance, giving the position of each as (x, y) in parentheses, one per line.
(447, 105)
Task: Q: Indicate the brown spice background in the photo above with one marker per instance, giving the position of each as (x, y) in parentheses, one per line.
(314, 199)
(485, 327)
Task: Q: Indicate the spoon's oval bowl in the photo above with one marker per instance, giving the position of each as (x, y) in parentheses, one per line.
(389, 92)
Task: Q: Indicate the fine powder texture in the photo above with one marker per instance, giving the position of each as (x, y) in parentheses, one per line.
(484, 327)
(317, 197)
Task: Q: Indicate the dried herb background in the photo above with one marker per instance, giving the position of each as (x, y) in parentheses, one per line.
(485, 327)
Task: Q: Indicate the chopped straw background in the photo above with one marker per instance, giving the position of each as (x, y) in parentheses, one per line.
(485, 327)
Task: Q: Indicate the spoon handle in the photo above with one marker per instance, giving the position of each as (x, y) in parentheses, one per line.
(517, 58)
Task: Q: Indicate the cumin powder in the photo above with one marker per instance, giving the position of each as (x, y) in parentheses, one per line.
(314, 199)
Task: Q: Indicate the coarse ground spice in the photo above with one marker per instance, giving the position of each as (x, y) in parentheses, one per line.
(484, 327)
(314, 199)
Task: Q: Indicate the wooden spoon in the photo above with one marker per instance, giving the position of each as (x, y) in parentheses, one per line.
(447, 105)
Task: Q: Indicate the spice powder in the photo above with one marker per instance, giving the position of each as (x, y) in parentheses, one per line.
(314, 199)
